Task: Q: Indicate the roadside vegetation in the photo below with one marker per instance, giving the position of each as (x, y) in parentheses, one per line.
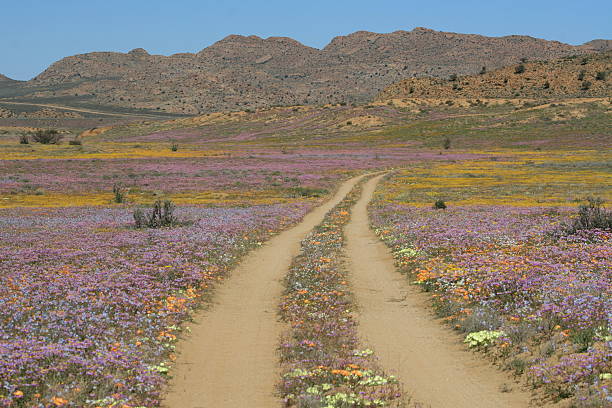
(521, 271)
(323, 362)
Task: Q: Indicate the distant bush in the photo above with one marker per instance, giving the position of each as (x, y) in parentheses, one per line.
(174, 147)
(519, 69)
(546, 85)
(75, 142)
(452, 77)
(447, 143)
(439, 205)
(308, 192)
(601, 76)
(584, 61)
(48, 136)
(581, 75)
(120, 195)
(586, 85)
(591, 215)
(483, 71)
(24, 139)
(161, 215)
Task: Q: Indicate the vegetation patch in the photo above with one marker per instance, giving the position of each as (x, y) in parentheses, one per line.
(323, 363)
(530, 297)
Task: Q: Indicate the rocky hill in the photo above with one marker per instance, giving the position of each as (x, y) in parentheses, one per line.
(5, 78)
(239, 73)
(598, 45)
(580, 76)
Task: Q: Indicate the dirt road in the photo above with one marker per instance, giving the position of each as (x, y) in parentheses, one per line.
(394, 319)
(230, 358)
(91, 111)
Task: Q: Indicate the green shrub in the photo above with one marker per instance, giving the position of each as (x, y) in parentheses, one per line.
(519, 69)
(439, 205)
(120, 194)
(48, 136)
(446, 144)
(586, 85)
(307, 192)
(161, 215)
(591, 215)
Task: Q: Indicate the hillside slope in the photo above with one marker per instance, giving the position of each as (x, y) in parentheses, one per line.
(249, 72)
(587, 76)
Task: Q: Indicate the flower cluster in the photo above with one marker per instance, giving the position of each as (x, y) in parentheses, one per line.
(90, 308)
(501, 270)
(321, 358)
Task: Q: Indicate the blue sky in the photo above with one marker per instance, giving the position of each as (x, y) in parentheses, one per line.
(35, 33)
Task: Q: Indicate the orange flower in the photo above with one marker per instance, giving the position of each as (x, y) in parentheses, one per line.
(58, 402)
(18, 394)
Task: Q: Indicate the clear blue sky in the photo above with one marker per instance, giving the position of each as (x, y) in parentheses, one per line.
(35, 33)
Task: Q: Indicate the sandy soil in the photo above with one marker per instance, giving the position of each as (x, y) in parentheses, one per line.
(83, 110)
(428, 358)
(230, 359)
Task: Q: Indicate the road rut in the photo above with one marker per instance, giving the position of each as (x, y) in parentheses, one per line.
(230, 358)
(433, 365)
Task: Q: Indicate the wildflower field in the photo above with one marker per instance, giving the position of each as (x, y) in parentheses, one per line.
(503, 267)
(92, 305)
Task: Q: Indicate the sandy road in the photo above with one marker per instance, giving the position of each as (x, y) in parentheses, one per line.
(230, 358)
(429, 360)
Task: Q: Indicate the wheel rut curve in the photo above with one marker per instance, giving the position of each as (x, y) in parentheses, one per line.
(230, 358)
(394, 319)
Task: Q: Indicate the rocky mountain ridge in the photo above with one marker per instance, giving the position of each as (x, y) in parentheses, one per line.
(240, 73)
